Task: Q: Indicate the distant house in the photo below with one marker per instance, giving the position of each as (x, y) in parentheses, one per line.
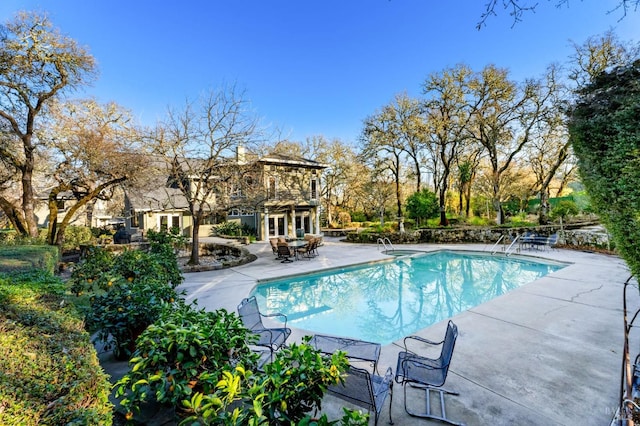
(95, 214)
(276, 195)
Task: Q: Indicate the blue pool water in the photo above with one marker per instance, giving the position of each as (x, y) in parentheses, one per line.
(385, 301)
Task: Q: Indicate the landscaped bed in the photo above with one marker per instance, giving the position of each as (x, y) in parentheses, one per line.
(50, 372)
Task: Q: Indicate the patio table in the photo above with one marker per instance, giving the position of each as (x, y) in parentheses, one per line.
(295, 245)
(359, 350)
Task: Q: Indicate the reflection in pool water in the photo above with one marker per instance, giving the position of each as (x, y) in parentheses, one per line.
(386, 301)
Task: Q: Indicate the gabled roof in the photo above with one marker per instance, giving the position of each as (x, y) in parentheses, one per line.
(292, 161)
(160, 198)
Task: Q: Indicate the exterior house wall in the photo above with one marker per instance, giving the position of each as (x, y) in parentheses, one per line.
(293, 198)
(99, 216)
(275, 195)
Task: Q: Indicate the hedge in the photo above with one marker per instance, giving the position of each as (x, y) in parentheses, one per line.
(28, 258)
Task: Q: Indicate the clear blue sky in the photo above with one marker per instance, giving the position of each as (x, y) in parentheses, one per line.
(309, 67)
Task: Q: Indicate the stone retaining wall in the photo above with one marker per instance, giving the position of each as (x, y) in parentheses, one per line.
(574, 234)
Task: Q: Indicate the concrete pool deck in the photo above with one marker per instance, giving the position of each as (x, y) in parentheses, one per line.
(547, 353)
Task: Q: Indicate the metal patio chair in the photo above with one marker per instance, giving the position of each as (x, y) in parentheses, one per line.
(427, 373)
(366, 390)
(270, 337)
(284, 253)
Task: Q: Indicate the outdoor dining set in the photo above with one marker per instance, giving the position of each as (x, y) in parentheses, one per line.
(287, 250)
(363, 385)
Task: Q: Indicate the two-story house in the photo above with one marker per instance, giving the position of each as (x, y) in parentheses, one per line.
(292, 196)
(276, 195)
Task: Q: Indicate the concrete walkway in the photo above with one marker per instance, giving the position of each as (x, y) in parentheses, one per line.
(547, 353)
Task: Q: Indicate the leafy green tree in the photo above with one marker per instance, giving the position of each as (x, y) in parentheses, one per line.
(37, 65)
(604, 129)
(422, 205)
(563, 209)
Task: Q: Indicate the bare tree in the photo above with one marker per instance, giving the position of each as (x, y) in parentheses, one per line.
(197, 145)
(449, 108)
(517, 8)
(37, 64)
(599, 54)
(503, 121)
(92, 148)
(412, 131)
(549, 147)
(383, 149)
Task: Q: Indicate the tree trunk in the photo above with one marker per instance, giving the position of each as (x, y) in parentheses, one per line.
(443, 208)
(14, 215)
(52, 232)
(194, 259)
(499, 213)
(496, 197)
(399, 204)
(543, 214)
(416, 164)
(28, 198)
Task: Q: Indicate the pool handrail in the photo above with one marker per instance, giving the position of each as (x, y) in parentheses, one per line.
(508, 250)
(383, 241)
(494, 249)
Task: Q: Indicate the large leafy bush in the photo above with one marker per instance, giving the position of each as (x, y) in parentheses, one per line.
(605, 133)
(422, 205)
(184, 351)
(286, 392)
(126, 292)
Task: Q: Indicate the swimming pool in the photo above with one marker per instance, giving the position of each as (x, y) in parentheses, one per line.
(385, 301)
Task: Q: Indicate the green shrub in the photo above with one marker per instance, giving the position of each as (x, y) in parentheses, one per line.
(520, 219)
(184, 351)
(50, 371)
(564, 209)
(478, 221)
(290, 387)
(126, 292)
(422, 205)
(75, 236)
(9, 237)
(234, 229)
(172, 238)
(359, 216)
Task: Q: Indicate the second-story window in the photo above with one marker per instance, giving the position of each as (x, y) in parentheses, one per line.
(314, 189)
(272, 187)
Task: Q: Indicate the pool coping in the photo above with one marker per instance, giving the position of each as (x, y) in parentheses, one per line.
(414, 253)
(526, 357)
